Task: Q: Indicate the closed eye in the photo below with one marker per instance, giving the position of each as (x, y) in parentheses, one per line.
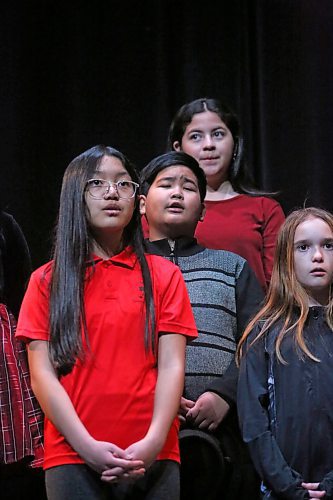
(190, 188)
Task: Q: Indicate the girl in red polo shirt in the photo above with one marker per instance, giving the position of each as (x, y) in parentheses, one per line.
(106, 328)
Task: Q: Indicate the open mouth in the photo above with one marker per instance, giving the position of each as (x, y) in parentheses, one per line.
(175, 207)
(112, 207)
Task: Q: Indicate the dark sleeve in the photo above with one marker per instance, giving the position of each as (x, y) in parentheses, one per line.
(252, 402)
(327, 485)
(249, 296)
(16, 263)
(226, 386)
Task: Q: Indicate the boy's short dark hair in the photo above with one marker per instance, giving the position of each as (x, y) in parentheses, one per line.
(171, 159)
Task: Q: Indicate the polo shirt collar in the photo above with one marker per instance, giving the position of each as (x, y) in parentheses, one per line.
(126, 257)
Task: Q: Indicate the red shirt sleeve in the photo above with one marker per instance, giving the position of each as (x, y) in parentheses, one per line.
(173, 308)
(274, 218)
(33, 321)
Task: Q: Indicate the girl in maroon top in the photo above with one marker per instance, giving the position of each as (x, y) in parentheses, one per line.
(238, 217)
(21, 429)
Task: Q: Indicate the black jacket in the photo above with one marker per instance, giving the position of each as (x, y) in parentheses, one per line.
(286, 410)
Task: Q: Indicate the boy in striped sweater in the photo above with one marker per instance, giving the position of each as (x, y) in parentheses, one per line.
(224, 294)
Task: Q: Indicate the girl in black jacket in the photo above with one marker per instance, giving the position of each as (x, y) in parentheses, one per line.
(285, 395)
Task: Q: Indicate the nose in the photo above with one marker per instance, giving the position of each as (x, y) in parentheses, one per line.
(177, 193)
(208, 142)
(111, 191)
(317, 255)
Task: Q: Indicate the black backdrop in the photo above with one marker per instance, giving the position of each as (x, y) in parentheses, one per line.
(115, 72)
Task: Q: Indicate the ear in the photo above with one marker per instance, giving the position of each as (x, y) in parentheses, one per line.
(202, 213)
(176, 146)
(142, 204)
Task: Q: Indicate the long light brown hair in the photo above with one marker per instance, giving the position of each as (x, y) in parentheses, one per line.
(287, 300)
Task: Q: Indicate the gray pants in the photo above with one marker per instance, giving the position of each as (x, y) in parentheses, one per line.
(79, 482)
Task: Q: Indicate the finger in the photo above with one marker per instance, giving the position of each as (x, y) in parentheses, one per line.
(136, 472)
(125, 464)
(110, 479)
(212, 427)
(310, 486)
(118, 452)
(316, 494)
(199, 421)
(128, 478)
(113, 472)
(201, 418)
(203, 425)
(193, 413)
(188, 402)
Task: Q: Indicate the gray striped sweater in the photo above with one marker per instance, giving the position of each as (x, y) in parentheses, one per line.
(224, 294)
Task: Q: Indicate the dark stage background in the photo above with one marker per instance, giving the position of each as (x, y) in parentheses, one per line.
(115, 72)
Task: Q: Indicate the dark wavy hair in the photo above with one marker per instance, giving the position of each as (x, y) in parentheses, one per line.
(238, 173)
(149, 172)
(71, 252)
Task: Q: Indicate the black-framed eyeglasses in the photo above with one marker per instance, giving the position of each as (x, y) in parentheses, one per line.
(98, 188)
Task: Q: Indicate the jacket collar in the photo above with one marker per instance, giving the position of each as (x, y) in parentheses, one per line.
(183, 247)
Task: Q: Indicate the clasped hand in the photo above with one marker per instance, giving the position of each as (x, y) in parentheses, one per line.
(138, 457)
(119, 464)
(207, 412)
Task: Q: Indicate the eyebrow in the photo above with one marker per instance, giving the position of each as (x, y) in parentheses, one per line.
(171, 178)
(309, 241)
(212, 130)
(119, 174)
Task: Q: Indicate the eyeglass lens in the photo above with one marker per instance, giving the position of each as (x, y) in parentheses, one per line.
(98, 188)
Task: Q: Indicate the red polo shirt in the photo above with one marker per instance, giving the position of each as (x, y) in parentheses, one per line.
(113, 389)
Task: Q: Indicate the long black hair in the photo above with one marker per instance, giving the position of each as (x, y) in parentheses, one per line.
(238, 173)
(71, 253)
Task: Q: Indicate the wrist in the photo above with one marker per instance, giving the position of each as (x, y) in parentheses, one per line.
(219, 399)
(83, 445)
(155, 439)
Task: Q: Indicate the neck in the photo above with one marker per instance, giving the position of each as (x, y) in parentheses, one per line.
(223, 191)
(107, 248)
(318, 300)
(170, 233)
